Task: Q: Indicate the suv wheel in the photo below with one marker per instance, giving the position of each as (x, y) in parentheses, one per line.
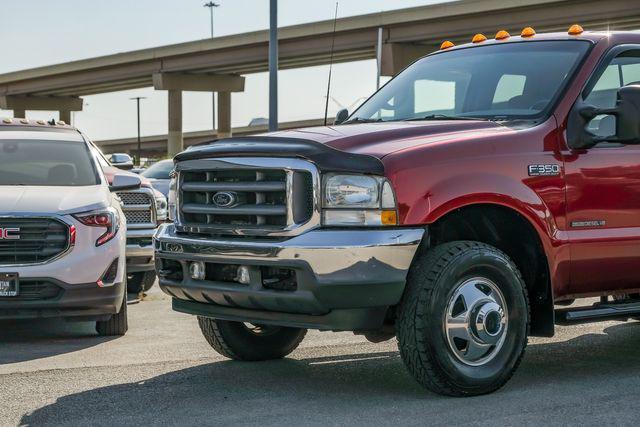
(140, 281)
(116, 325)
(464, 319)
(249, 342)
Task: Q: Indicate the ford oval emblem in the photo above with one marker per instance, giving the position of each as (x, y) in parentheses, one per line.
(224, 199)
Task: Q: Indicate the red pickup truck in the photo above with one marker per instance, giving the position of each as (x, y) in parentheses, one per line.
(463, 207)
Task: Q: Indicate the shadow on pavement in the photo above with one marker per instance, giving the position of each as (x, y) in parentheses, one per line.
(369, 388)
(38, 338)
(33, 339)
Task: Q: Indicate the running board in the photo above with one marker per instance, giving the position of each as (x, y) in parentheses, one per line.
(597, 313)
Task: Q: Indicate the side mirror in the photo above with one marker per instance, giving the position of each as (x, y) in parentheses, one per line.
(125, 182)
(341, 116)
(122, 161)
(626, 113)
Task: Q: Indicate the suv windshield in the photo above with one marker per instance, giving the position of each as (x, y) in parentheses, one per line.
(160, 170)
(45, 162)
(497, 82)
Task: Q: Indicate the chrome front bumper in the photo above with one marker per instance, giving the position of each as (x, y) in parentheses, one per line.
(139, 250)
(336, 270)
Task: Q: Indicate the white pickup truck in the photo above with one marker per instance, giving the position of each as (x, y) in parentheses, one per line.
(62, 229)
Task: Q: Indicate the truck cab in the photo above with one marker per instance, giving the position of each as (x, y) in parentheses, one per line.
(462, 208)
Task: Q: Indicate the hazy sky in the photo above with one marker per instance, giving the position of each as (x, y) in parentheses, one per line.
(44, 32)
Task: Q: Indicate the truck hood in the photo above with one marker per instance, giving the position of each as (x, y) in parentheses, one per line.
(16, 199)
(381, 138)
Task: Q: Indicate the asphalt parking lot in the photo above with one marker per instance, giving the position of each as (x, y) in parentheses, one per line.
(163, 372)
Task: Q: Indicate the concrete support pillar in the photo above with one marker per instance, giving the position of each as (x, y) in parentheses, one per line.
(65, 116)
(224, 114)
(175, 144)
(19, 114)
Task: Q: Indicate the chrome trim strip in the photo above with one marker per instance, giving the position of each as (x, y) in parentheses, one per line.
(287, 164)
(59, 218)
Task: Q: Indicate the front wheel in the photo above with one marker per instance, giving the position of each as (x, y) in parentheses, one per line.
(464, 319)
(117, 325)
(249, 342)
(140, 281)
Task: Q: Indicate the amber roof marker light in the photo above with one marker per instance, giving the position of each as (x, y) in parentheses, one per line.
(446, 45)
(502, 35)
(478, 38)
(528, 32)
(575, 30)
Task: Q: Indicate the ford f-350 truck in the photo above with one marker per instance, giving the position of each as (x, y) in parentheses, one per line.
(462, 208)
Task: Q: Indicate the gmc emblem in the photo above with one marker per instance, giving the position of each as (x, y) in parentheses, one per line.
(9, 234)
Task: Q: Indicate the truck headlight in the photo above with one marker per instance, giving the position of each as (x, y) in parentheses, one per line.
(358, 200)
(161, 208)
(171, 197)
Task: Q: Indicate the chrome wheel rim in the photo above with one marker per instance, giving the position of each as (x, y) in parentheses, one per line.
(476, 321)
(259, 329)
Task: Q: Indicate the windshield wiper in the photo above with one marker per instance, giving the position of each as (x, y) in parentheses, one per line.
(446, 117)
(361, 120)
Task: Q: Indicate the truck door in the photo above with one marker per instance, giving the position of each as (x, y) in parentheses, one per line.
(603, 191)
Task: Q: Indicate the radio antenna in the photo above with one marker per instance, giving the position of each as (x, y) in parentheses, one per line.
(333, 41)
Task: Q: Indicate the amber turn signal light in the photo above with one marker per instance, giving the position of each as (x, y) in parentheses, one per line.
(446, 45)
(528, 32)
(502, 35)
(478, 38)
(389, 218)
(575, 30)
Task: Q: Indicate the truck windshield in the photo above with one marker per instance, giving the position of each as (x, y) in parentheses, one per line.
(496, 82)
(45, 163)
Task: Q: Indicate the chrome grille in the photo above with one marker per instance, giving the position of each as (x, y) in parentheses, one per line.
(248, 196)
(41, 239)
(139, 208)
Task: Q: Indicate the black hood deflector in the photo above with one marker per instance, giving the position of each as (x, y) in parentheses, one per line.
(327, 159)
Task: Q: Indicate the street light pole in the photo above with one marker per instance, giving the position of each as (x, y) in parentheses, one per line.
(211, 5)
(137, 99)
(273, 66)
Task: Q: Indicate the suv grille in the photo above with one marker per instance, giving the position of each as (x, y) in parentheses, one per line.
(138, 207)
(224, 200)
(41, 239)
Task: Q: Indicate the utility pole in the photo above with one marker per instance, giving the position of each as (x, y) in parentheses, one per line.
(137, 99)
(211, 5)
(273, 66)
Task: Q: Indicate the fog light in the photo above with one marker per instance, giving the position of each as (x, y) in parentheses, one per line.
(243, 275)
(197, 270)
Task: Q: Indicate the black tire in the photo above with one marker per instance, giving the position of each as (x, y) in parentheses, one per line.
(432, 284)
(117, 325)
(238, 342)
(140, 281)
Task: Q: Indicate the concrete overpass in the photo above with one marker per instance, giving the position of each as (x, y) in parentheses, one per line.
(218, 64)
(156, 145)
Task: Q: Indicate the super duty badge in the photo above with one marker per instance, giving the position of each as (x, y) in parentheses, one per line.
(544, 170)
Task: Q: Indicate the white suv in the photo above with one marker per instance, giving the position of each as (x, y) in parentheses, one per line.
(62, 231)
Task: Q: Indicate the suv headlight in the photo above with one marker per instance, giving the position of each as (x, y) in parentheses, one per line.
(358, 200)
(109, 219)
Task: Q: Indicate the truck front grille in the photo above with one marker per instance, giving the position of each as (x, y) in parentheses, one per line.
(38, 240)
(139, 208)
(225, 199)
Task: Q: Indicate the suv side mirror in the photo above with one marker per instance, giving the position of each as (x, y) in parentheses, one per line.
(626, 112)
(125, 182)
(122, 161)
(341, 116)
